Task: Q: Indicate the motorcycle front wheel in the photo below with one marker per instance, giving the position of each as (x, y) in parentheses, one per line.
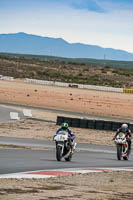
(58, 153)
(119, 152)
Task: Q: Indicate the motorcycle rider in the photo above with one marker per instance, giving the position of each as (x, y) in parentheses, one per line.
(124, 129)
(64, 127)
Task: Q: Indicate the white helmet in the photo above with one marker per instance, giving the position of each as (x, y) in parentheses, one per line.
(124, 127)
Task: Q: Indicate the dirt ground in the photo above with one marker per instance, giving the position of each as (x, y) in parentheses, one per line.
(46, 131)
(71, 99)
(93, 186)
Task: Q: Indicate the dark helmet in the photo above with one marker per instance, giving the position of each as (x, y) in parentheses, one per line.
(64, 126)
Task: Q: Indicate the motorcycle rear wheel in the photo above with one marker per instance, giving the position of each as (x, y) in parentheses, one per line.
(119, 152)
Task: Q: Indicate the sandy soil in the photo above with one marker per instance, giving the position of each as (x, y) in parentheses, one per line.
(93, 186)
(79, 100)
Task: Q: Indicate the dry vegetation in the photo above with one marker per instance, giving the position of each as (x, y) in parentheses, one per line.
(72, 72)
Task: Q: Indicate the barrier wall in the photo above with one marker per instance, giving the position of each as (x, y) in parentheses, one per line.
(92, 124)
(91, 87)
(35, 81)
(7, 78)
(61, 84)
(127, 90)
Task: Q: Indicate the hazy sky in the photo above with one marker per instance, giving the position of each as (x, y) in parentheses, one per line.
(107, 23)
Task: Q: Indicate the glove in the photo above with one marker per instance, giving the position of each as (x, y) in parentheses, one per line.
(73, 137)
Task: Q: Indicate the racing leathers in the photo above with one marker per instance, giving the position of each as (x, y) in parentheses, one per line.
(128, 137)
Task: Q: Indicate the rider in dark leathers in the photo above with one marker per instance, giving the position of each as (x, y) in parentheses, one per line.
(124, 129)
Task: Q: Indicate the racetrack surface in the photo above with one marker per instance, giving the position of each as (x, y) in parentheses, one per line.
(94, 116)
(5, 114)
(86, 156)
(21, 160)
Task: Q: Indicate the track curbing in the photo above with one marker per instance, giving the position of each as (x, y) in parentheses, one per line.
(39, 174)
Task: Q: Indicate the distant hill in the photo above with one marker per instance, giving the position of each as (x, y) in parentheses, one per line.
(32, 44)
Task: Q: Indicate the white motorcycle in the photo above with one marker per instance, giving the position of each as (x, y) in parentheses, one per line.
(122, 146)
(63, 146)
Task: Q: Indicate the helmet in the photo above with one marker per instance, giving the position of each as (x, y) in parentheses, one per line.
(64, 126)
(124, 127)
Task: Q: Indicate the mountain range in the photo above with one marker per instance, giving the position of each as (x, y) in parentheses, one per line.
(24, 43)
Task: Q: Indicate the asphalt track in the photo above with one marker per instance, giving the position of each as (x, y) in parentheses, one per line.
(21, 160)
(67, 112)
(5, 114)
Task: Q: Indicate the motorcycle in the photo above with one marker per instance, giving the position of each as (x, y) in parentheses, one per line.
(63, 146)
(122, 146)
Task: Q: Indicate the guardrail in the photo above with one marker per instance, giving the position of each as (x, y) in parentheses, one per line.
(52, 83)
(7, 78)
(61, 84)
(125, 90)
(92, 124)
(80, 86)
